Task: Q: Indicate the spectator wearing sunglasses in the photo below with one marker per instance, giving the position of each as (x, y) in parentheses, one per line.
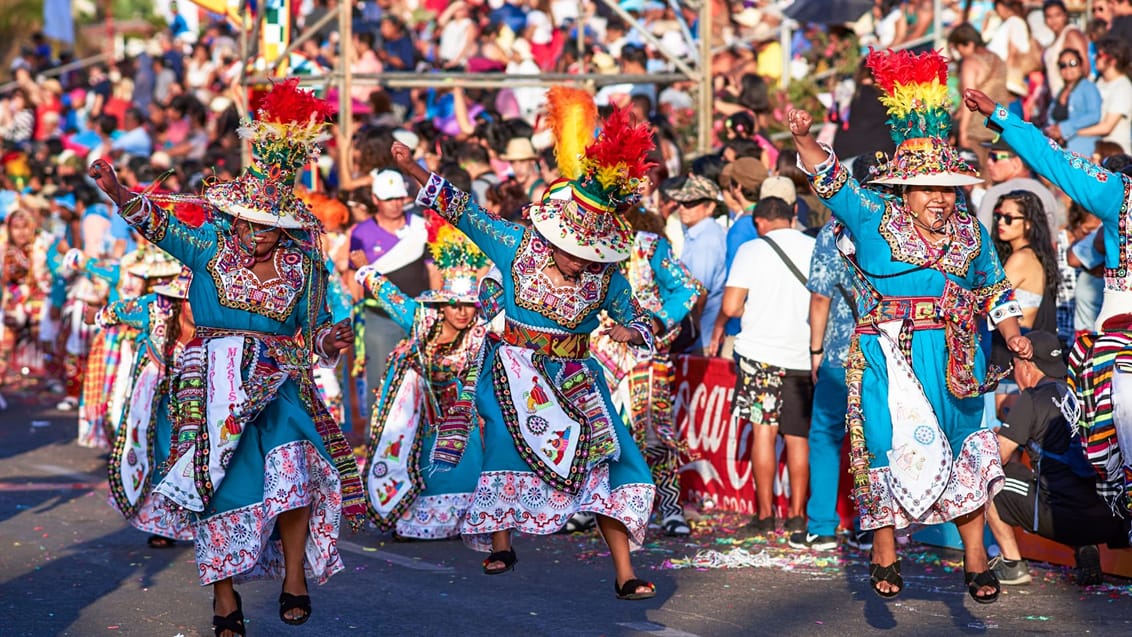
(1026, 250)
(1006, 171)
(1077, 106)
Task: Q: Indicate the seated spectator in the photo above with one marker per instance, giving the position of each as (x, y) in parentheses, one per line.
(1056, 499)
(1115, 125)
(1076, 107)
(135, 139)
(364, 62)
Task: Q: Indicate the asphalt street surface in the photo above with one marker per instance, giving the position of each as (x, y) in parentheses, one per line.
(69, 565)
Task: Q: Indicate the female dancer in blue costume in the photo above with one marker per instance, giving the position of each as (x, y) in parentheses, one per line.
(424, 451)
(554, 443)
(163, 322)
(110, 360)
(1100, 366)
(926, 271)
(257, 458)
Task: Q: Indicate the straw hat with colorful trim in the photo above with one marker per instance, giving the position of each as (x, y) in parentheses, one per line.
(581, 213)
(284, 137)
(459, 262)
(915, 94)
(178, 288)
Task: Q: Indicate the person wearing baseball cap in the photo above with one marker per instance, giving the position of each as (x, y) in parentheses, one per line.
(742, 182)
(394, 242)
(1055, 497)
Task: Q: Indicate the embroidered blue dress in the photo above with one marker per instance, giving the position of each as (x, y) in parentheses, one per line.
(1100, 367)
(427, 386)
(918, 454)
(254, 439)
(554, 445)
(143, 438)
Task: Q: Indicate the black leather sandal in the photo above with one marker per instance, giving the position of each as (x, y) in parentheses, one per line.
(888, 574)
(233, 622)
(289, 602)
(508, 558)
(628, 590)
(975, 581)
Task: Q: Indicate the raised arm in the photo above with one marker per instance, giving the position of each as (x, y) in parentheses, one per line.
(76, 261)
(187, 244)
(498, 239)
(849, 203)
(1101, 192)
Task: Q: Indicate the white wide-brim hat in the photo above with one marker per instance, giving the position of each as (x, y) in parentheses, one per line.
(587, 234)
(926, 161)
(232, 198)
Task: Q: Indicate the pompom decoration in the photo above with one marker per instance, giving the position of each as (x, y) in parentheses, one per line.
(288, 125)
(573, 118)
(191, 212)
(581, 212)
(617, 159)
(458, 259)
(914, 93)
(329, 211)
(450, 248)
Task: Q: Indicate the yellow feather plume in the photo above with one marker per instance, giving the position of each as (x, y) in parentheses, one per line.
(573, 118)
(906, 98)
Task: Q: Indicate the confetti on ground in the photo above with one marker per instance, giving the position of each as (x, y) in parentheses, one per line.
(742, 558)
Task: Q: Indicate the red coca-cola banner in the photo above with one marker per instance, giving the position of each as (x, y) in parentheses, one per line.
(719, 475)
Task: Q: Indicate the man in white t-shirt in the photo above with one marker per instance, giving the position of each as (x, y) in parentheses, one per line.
(774, 391)
(1113, 58)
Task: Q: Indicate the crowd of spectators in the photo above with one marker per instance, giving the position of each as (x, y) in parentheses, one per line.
(169, 107)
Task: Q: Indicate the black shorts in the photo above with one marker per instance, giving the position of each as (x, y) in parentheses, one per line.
(1076, 519)
(774, 396)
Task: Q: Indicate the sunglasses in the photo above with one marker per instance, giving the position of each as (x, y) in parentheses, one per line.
(692, 204)
(1001, 155)
(1006, 219)
(1068, 64)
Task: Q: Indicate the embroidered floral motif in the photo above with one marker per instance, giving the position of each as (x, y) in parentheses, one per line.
(240, 289)
(908, 246)
(567, 306)
(238, 543)
(520, 500)
(976, 476)
(435, 517)
(1118, 278)
(156, 515)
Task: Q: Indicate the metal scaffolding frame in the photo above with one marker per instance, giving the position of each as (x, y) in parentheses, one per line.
(696, 70)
